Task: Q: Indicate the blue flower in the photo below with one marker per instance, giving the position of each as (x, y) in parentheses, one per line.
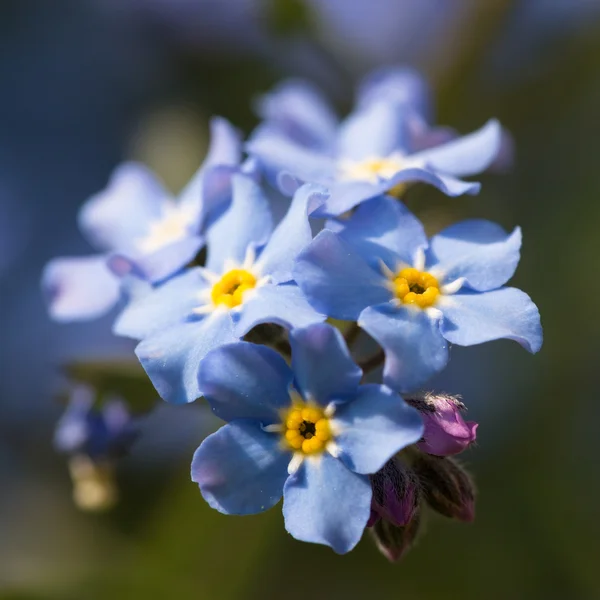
(100, 433)
(309, 432)
(414, 297)
(140, 230)
(382, 146)
(247, 281)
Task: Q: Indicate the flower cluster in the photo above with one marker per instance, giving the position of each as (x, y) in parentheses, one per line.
(203, 278)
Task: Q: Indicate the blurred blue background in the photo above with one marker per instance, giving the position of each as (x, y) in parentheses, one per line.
(89, 83)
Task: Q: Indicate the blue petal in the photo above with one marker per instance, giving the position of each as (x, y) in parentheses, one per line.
(346, 195)
(374, 131)
(159, 265)
(291, 235)
(372, 427)
(205, 193)
(165, 306)
(449, 185)
(79, 289)
(246, 222)
(245, 381)
(392, 84)
(283, 305)
(336, 280)
(225, 144)
(384, 229)
(122, 212)
(216, 190)
(414, 346)
(480, 251)
(316, 346)
(280, 156)
(472, 318)
(299, 111)
(240, 469)
(468, 155)
(325, 503)
(171, 357)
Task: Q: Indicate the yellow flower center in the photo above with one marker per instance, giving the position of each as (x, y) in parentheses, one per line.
(306, 428)
(229, 290)
(416, 287)
(372, 169)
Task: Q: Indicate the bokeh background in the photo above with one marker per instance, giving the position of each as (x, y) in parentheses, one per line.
(89, 83)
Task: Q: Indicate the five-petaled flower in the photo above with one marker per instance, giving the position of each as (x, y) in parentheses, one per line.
(310, 433)
(140, 230)
(247, 281)
(382, 146)
(414, 297)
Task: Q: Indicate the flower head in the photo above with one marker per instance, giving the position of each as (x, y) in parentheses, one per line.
(383, 145)
(101, 433)
(140, 230)
(415, 296)
(308, 433)
(247, 281)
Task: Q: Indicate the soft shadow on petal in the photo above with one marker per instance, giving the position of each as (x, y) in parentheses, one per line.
(245, 381)
(314, 347)
(240, 469)
(414, 347)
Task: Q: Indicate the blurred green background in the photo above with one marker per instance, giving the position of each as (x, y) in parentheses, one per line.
(88, 83)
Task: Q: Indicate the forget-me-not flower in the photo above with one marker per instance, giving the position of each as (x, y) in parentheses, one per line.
(310, 433)
(413, 296)
(379, 148)
(247, 281)
(140, 229)
(99, 432)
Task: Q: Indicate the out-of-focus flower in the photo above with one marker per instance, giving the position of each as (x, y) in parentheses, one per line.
(309, 432)
(141, 230)
(446, 432)
(414, 296)
(299, 111)
(100, 432)
(94, 437)
(247, 281)
(382, 146)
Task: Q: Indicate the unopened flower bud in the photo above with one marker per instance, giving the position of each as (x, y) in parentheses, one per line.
(446, 486)
(395, 494)
(393, 541)
(446, 432)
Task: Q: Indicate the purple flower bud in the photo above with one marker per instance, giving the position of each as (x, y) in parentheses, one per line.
(392, 541)
(446, 486)
(395, 494)
(446, 432)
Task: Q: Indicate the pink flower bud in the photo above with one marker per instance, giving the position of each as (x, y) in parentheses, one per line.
(446, 432)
